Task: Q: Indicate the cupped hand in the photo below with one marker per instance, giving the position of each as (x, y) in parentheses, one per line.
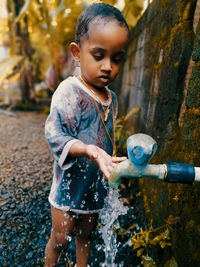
(105, 161)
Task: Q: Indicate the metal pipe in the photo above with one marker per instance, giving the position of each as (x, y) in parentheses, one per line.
(141, 149)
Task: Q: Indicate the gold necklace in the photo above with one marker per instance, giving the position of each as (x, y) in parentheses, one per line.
(106, 116)
(106, 112)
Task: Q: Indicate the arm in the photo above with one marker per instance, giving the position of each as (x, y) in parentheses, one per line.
(62, 124)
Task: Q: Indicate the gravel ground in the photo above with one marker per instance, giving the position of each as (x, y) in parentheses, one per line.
(25, 180)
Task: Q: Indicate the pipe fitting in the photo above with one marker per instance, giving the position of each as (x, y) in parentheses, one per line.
(141, 149)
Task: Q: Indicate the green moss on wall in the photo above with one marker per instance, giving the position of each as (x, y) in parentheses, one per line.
(170, 43)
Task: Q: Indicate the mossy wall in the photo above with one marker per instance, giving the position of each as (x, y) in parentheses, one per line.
(162, 75)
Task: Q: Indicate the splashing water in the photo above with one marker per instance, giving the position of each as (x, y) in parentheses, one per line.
(109, 219)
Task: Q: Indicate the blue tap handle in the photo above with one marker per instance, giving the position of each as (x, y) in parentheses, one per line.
(141, 148)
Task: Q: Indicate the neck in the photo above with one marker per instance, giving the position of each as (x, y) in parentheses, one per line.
(101, 93)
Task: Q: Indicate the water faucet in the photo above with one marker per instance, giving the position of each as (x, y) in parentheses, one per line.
(141, 148)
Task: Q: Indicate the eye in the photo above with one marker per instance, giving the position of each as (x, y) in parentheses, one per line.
(117, 60)
(98, 57)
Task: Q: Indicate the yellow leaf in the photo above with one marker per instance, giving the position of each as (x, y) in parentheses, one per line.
(114, 229)
(146, 236)
(122, 232)
(166, 234)
(139, 252)
(7, 64)
(132, 112)
(158, 237)
(162, 244)
(138, 194)
(137, 243)
(132, 226)
(153, 241)
(99, 225)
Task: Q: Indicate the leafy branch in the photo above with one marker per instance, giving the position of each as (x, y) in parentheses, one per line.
(144, 239)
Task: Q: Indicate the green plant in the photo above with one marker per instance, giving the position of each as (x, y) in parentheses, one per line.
(143, 240)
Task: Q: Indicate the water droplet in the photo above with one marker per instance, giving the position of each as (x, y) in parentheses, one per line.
(66, 215)
(68, 238)
(96, 196)
(64, 223)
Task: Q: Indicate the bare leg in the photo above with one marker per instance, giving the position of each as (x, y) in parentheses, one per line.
(62, 227)
(86, 223)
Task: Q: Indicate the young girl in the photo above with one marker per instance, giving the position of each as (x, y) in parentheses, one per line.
(80, 131)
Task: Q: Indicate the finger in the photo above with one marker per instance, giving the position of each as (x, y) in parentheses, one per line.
(118, 159)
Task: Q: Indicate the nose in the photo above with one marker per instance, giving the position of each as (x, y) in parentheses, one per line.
(106, 65)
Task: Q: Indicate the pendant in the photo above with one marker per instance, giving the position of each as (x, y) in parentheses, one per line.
(106, 114)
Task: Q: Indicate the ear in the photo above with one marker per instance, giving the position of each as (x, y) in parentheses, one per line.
(75, 50)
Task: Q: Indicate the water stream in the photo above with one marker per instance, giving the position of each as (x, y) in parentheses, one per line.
(109, 219)
(108, 249)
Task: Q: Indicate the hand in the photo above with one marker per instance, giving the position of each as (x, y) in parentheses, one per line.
(105, 161)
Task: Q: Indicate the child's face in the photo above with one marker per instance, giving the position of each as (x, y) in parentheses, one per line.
(101, 54)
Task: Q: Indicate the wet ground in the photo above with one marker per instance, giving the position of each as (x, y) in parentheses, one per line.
(25, 180)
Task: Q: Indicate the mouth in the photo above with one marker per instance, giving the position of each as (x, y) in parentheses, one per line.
(104, 79)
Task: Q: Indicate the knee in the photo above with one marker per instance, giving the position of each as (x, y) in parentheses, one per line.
(59, 241)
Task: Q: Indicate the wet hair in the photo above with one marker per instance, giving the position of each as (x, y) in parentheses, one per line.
(97, 13)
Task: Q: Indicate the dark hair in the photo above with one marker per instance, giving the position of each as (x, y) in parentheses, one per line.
(99, 10)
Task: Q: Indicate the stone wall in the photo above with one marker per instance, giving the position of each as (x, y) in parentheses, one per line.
(161, 75)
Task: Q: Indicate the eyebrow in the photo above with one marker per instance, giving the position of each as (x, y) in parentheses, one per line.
(100, 49)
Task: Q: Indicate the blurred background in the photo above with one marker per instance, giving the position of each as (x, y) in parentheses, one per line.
(34, 42)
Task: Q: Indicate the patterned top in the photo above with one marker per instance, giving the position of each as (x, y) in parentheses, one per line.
(78, 184)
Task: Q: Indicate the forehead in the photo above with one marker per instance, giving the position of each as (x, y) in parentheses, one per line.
(109, 35)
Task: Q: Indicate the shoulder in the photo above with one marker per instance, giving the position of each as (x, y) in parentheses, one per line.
(68, 86)
(68, 89)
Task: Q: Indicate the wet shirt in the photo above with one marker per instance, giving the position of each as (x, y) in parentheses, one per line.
(78, 184)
